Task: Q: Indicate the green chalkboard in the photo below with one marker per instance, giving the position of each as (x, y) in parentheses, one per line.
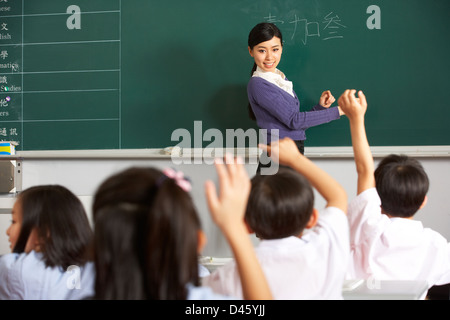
(112, 74)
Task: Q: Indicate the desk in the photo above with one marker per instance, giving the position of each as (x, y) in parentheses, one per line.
(369, 289)
(385, 290)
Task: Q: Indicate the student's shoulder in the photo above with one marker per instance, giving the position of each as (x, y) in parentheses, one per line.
(7, 262)
(367, 199)
(333, 217)
(331, 229)
(14, 259)
(22, 262)
(370, 193)
(364, 211)
(14, 269)
(436, 238)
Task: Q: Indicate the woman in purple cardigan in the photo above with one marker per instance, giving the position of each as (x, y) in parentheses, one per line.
(272, 99)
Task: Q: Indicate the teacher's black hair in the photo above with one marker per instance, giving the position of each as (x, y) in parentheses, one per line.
(262, 32)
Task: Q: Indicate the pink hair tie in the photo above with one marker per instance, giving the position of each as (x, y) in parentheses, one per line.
(179, 178)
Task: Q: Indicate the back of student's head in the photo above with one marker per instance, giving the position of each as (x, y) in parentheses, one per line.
(61, 222)
(279, 205)
(402, 185)
(145, 237)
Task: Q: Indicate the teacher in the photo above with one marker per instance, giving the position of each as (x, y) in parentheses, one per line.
(273, 102)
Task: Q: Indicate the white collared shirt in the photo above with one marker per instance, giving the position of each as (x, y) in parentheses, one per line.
(277, 78)
(310, 267)
(384, 248)
(24, 276)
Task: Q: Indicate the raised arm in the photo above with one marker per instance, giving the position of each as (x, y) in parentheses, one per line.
(286, 151)
(355, 109)
(227, 210)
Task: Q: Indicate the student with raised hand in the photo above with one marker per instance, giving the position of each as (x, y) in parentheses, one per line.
(303, 253)
(387, 243)
(228, 211)
(148, 234)
(50, 236)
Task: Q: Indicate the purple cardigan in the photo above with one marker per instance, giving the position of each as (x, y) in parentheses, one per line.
(274, 108)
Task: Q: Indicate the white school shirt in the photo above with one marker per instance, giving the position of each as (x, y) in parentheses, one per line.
(384, 248)
(310, 267)
(25, 277)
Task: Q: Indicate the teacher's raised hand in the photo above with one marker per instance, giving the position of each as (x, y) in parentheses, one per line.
(326, 99)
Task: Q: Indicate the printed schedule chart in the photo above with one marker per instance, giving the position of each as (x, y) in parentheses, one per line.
(60, 74)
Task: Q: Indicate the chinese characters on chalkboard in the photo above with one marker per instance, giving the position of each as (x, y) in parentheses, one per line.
(10, 83)
(329, 27)
(54, 71)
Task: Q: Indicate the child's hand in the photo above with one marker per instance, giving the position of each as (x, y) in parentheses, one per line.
(228, 209)
(326, 99)
(352, 106)
(283, 151)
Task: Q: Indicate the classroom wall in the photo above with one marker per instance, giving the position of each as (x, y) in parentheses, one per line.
(82, 176)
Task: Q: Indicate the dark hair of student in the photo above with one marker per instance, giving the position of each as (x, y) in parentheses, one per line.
(119, 252)
(402, 185)
(145, 237)
(279, 205)
(62, 224)
(260, 33)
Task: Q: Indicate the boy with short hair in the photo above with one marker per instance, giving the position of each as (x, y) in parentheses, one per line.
(297, 264)
(387, 244)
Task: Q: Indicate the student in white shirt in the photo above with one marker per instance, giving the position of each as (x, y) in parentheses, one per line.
(387, 244)
(298, 264)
